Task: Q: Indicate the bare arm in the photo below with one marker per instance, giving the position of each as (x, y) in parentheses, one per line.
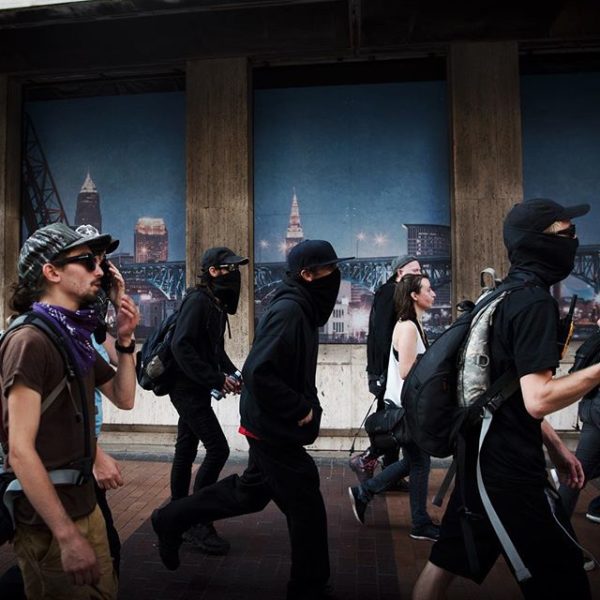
(544, 394)
(77, 556)
(121, 389)
(404, 340)
(568, 466)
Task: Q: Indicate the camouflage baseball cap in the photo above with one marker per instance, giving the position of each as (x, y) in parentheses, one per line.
(48, 242)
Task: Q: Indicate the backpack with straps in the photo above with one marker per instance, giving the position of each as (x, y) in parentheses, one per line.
(155, 361)
(155, 364)
(75, 474)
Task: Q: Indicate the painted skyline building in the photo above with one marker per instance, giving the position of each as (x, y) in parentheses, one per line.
(151, 240)
(294, 234)
(428, 240)
(88, 205)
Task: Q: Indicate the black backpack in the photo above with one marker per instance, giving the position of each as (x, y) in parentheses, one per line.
(155, 361)
(155, 365)
(429, 394)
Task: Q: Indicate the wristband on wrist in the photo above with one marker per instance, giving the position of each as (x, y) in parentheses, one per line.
(125, 349)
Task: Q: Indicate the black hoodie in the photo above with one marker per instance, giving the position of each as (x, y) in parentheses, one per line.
(279, 373)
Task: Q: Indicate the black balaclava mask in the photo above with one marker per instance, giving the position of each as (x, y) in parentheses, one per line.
(227, 289)
(550, 257)
(323, 292)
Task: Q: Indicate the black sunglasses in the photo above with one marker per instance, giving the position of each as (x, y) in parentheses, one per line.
(229, 268)
(89, 261)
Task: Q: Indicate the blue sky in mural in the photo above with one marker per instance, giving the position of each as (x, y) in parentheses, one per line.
(134, 149)
(561, 148)
(361, 159)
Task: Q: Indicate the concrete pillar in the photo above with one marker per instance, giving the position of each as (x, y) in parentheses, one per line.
(219, 174)
(486, 160)
(10, 205)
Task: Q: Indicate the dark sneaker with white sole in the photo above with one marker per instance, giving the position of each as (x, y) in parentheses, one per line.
(593, 511)
(430, 532)
(358, 506)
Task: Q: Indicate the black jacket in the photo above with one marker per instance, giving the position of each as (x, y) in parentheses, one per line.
(382, 319)
(279, 373)
(197, 344)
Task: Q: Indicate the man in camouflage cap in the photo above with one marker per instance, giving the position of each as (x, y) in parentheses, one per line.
(60, 273)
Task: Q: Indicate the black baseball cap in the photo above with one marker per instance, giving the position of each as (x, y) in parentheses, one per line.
(312, 253)
(221, 255)
(538, 214)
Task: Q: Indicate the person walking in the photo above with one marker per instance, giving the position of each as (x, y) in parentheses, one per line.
(413, 297)
(541, 242)
(202, 365)
(280, 414)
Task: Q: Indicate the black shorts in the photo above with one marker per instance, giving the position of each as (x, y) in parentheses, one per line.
(554, 561)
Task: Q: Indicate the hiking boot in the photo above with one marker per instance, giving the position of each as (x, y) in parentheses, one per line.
(593, 511)
(429, 531)
(363, 467)
(168, 544)
(358, 506)
(399, 486)
(207, 540)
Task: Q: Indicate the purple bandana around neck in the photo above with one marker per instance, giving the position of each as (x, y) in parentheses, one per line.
(78, 326)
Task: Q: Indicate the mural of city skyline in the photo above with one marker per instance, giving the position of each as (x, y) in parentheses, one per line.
(117, 163)
(364, 167)
(561, 153)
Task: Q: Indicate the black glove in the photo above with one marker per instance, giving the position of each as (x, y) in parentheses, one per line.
(377, 384)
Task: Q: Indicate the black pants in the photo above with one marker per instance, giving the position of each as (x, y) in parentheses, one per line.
(536, 523)
(197, 423)
(289, 477)
(114, 543)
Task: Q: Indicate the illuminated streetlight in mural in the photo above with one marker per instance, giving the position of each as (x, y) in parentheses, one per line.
(380, 240)
(263, 244)
(282, 247)
(360, 236)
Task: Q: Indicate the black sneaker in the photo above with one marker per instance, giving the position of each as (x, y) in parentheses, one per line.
(168, 545)
(358, 506)
(430, 532)
(207, 540)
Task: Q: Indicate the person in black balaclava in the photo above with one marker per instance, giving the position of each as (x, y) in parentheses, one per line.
(526, 337)
(280, 414)
(202, 365)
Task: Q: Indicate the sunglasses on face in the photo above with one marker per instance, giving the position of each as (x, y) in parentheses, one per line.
(89, 261)
(569, 232)
(229, 268)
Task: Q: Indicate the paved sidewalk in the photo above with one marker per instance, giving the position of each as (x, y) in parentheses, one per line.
(376, 561)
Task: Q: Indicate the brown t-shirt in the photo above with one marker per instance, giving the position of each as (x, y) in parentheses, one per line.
(29, 357)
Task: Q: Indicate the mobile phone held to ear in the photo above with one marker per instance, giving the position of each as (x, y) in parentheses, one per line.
(107, 279)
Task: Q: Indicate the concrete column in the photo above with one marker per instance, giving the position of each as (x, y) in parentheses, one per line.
(10, 205)
(486, 160)
(219, 174)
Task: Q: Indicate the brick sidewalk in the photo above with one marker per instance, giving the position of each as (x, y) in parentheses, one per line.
(377, 561)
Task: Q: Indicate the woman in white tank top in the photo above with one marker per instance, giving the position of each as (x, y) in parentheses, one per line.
(412, 298)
